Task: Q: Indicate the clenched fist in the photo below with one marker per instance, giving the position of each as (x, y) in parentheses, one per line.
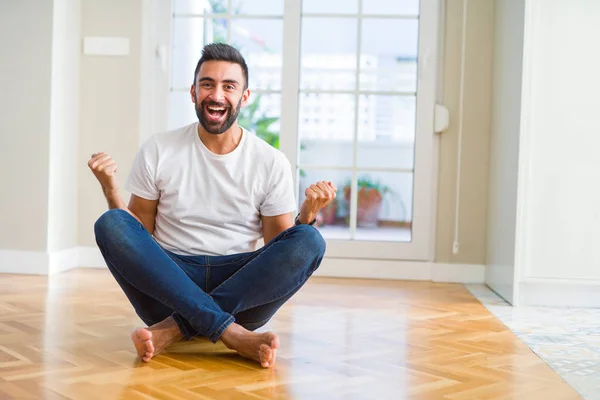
(317, 196)
(105, 169)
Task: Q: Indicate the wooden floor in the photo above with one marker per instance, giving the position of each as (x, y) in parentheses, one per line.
(68, 337)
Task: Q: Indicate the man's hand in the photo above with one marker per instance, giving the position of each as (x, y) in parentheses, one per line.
(105, 169)
(317, 197)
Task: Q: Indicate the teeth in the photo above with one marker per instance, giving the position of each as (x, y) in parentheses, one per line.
(216, 108)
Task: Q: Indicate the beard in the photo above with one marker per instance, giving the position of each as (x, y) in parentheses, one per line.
(215, 127)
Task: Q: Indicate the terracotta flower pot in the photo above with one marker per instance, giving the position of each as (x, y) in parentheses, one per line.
(328, 214)
(369, 206)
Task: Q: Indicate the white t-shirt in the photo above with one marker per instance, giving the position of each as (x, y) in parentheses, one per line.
(211, 204)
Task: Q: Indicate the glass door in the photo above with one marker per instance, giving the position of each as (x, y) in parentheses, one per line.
(366, 79)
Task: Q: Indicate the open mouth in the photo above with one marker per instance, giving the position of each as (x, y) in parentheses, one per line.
(215, 113)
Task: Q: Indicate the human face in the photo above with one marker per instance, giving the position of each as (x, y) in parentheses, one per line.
(218, 95)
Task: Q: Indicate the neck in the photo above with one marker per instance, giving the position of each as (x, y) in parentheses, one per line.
(223, 143)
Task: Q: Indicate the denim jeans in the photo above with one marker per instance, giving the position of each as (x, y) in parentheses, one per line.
(205, 294)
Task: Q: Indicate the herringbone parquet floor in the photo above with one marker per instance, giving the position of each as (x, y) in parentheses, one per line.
(67, 337)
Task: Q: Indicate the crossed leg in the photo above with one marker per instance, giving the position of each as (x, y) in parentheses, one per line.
(175, 307)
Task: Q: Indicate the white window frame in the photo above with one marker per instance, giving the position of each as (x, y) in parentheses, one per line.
(421, 248)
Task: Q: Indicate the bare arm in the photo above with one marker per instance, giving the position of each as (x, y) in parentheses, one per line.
(317, 197)
(105, 169)
(144, 211)
(273, 226)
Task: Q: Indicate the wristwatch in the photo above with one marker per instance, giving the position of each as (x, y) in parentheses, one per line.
(297, 221)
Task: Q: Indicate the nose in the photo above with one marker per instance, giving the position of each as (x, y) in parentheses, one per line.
(217, 94)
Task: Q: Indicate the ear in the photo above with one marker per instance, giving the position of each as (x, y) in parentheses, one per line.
(193, 93)
(245, 97)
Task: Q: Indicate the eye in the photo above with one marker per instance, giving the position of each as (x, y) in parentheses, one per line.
(230, 87)
(206, 85)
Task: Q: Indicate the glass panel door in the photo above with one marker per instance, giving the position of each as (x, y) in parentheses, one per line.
(365, 123)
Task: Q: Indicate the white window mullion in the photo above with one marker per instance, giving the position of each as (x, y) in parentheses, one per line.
(229, 12)
(366, 169)
(350, 15)
(354, 185)
(288, 137)
(226, 16)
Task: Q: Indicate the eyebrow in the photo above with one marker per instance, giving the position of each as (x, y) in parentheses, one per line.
(206, 78)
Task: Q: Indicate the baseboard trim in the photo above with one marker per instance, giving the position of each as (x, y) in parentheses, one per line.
(63, 260)
(374, 269)
(563, 293)
(89, 257)
(458, 273)
(401, 270)
(24, 262)
(42, 263)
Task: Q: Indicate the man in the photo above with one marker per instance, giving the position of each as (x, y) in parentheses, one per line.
(184, 249)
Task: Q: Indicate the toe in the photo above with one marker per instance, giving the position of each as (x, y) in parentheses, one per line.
(265, 354)
(275, 342)
(149, 346)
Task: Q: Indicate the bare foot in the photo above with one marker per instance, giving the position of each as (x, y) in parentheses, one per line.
(261, 347)
(150, 341)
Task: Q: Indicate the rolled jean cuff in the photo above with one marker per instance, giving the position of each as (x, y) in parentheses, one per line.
(186, 330)
(189, 332)
(215, 336)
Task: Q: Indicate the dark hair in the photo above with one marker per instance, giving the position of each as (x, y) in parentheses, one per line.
(222, 52)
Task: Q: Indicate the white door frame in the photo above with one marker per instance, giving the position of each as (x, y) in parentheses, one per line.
(425, 169)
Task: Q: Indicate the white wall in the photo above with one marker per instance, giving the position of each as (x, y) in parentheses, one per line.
(25, 70)
(110, 103)
(472, 208)
(64, 125)
(504, 145)
(40, 128)
(557, 256)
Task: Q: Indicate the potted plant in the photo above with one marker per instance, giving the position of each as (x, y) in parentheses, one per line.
(370, 199)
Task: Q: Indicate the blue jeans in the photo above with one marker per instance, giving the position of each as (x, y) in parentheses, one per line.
(205, 294)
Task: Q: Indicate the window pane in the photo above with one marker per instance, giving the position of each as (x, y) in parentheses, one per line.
(326, 129)
(200, 6)
(396, 7)
(389, 54)
(189, 36)
(331, 63)
(386, 131)
(261, 116)
(258, 7)
(330, 6)
(333, 220)
(181, 110)
(384, 211)
(261, 44)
